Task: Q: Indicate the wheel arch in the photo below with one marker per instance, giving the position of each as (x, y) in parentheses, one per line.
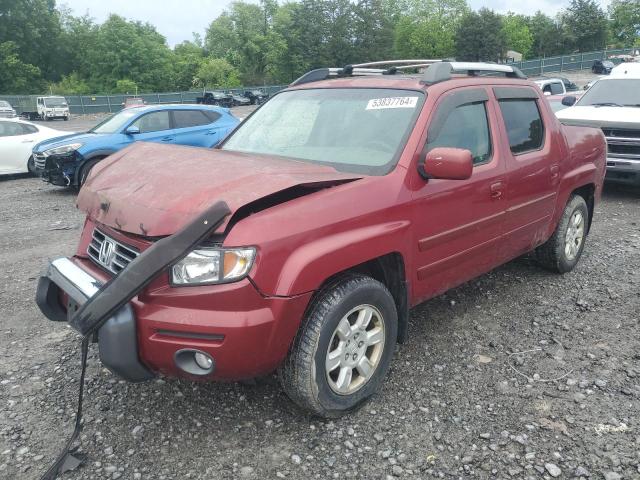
(93, 156)
(388, 269)
(588, 193)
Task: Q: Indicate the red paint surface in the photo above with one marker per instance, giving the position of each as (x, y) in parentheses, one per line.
(446, 231)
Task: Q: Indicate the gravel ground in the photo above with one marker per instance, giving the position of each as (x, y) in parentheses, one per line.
(459, 401)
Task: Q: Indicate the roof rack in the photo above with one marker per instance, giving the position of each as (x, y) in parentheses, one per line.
(435, 70)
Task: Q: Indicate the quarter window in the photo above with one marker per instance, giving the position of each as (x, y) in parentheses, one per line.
(153, 122)
(189, 118)
(523, 123)
(466, 127)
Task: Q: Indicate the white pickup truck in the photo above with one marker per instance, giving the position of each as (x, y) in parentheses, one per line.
(612, 104)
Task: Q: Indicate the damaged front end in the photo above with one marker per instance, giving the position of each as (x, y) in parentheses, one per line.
(57, 169)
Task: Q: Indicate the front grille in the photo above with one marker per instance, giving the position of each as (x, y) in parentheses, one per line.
(110, 254)
(622, 143)
(40, 160)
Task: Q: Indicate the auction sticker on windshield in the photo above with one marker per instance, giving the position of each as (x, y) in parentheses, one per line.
(392, 102)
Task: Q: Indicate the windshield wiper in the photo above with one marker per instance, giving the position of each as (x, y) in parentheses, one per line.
(606, 104)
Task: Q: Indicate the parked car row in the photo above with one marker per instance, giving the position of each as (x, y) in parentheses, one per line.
(65, 159)
(228, 100)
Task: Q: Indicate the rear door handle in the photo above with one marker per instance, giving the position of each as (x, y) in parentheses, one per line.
(496, 190)
(28, 141)
(167, 139)
(212, 132)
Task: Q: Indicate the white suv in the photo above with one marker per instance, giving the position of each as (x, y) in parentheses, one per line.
(613, 104)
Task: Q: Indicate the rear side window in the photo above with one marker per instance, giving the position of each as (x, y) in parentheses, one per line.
(523, 123)
(466, 127)
(10, 129)
(189, 118)
(29, 128)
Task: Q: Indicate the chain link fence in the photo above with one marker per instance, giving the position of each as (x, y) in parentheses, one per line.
(566, 63)
(88, 104)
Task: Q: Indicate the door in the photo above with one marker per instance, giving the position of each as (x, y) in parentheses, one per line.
(154, 127)
(16, 142)
(532, 173)
(458, 223)
(196, 127)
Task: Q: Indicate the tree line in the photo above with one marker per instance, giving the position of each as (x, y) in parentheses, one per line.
(44, 47)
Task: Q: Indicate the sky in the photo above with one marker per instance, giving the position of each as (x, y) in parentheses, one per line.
(178, 19)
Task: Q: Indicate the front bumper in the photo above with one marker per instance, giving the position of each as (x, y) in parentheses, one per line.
(116, 338)
(59, 170)
(623, 170)
(245, 333)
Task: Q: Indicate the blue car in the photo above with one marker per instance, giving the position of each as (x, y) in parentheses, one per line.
(67, 160)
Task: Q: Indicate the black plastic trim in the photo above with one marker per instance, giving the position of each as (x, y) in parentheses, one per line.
(524, 92)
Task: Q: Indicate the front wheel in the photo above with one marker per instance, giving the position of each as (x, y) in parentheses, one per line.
(343, 348)
(31, 165)
(563, 250)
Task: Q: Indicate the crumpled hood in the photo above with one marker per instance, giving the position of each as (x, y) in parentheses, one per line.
(153, 190)
(588, 116)
(64, 139)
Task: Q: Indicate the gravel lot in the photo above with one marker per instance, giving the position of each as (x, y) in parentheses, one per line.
(458, 401)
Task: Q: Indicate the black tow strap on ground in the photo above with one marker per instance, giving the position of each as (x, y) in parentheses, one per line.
(121, 289)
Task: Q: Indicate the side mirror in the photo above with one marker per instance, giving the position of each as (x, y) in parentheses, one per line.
(546, 94)
(448, 163)
(132, 130)
(569, 100)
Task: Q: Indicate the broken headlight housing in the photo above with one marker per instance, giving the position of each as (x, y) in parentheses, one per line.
(72, 147)
(207, 266)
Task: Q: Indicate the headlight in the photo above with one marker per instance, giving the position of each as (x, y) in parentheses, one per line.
(213, 265)
(64, 149)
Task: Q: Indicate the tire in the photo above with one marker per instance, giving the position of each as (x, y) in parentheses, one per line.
(85, 170)
(31, 165)
(304, 376)
(556, 254)
(66, 119)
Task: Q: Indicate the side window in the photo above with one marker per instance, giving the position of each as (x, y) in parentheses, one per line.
(153, 122)
(556, 88)
(547, 88)
(466, 127)
(189, 118)
(29, 129)
(211, 115)
(523, 123)
(11, 129)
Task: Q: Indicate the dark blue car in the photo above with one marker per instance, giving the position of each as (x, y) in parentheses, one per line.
(67, 160)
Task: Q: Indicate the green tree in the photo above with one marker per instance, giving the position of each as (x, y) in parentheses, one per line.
(517, 34)
(71, 84)
(480, 36)
(188, 56)
(625, 21)
(34, 28)
(17, 77)
(125, 85)
(427, 29)
(121, 49)
(216, 73)
(548, 37)
(585, 24)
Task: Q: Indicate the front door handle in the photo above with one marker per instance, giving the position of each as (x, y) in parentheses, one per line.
(167, 139)
(555, 171)
(28, 141)
(212, 132)
(496, 190)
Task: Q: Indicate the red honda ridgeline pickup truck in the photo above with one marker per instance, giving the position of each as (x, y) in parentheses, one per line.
(355, 194)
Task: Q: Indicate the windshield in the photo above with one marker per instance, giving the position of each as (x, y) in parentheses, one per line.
(353, 130)
(618, 92)
(115, 123)
(55, 102)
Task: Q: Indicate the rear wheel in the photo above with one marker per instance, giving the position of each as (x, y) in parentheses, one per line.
(562, 251)
(344, 347)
